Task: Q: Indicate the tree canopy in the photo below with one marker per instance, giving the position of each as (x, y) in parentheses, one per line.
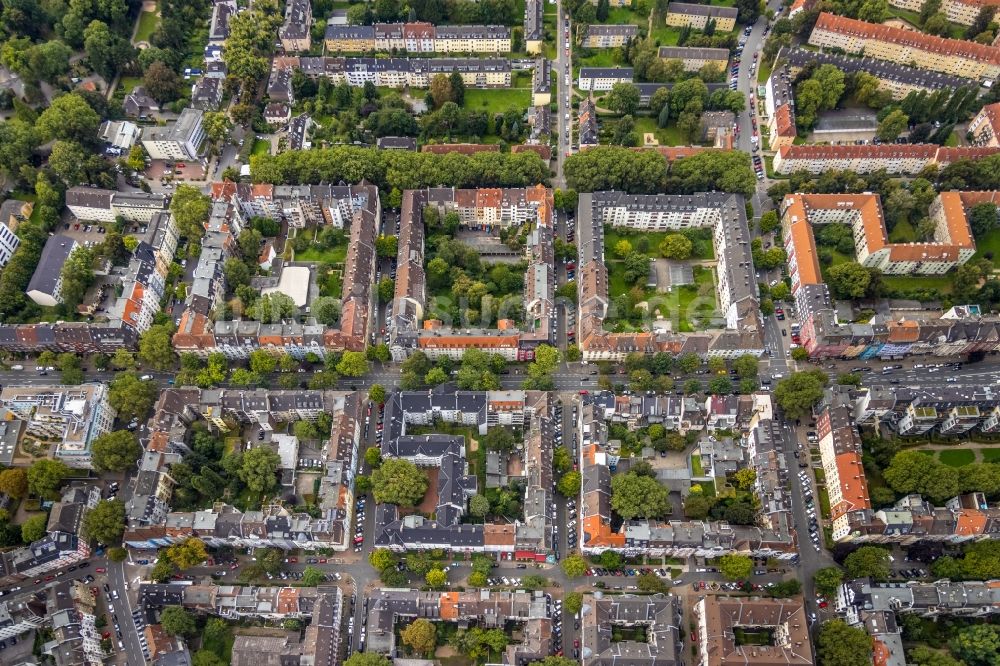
(115, 451)
(399, 481)
(798, 393)
(635, 496)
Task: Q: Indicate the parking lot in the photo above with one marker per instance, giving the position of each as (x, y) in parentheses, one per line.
(165, 170)
(87, 234)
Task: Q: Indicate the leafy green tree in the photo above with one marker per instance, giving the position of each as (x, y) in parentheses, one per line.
(191, 209)
(367, 659)
(848, 280)
(69, 118)
(890, 127)
(421, 635)
(868, 561)
(162, 571)
(177, 621)
(399, 481)
(651, 583)
(479, 506)
(106, 521)
(676, 246)
(569, 484)
(381, 559)
(115, 451)
(34, 528)
(555, 661)
(311, 577)
(611, 559)
(634, 496)
(827, 580)
(14, 482)
(746, 366)
(623, 99)
(436, 578)
(745, 478)
(735, 567)
(130, 396)
(353, 364)
(155, 348)
(188, 553)
(45, 476)
(573, 601)
(798, 393)
(117, 554)
(259, 469)
(574, 566)
(977, 645)
(841, 645)
(923, 655)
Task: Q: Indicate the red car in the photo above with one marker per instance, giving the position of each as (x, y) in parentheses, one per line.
(823, 604)
(50, 578)
(101, 570)
(584, 392)
(292, 560)
(322, 561)
(180, 165)
(576, 643)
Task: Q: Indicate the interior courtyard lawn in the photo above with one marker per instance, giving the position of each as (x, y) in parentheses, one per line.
(260, 147)
(938, 283)
(989, 245)
(990, 455)
(621, 15)
(599, 58)
(666, 35)
(147, 26)
(903, 232)
(957, 457)
(497, 101)
(667, 136)
(612, 236)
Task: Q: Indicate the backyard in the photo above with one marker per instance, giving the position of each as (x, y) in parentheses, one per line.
(667, 136)
(988, 245)
(148, 22)
(499, 100)
(956, 457)
(261, 147)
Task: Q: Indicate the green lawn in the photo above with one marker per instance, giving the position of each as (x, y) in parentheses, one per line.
(705, 307)
(334, 255)
(667, 136)
(600, 58)
(621, 15)
(913, 18)
(988, 244)
(147, 26)
(952, 139)
(956, 457)
(127, 83)
(938, 283)
(666, 35)
(903, 232)
(497, 101)
(824, 502)
(260, 147)
(991, 455)
(653, 238)
(696, 468)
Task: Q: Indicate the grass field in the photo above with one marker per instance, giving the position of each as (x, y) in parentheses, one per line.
(654, 238)
(688, 308)
(988, 244)
(903, 232)
(600, 58)
(127, 83)
(667, 136)
(990, 455)
(147, 26)
(334, 255)
(956, 457)
(620, 15)
(666, 35)
(939, 283)
(260, 147)
(497, 101)
(696, 468)
(913, 18)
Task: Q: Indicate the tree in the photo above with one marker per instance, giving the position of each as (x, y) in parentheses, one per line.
(272, 308)
(623, 248)
(569, 484)
(634, 496)
(651, 583)
(381, 559)
(745, 478)
(848, 280)
(106, 521)
(841, 645)
(117, 554)
(130, 396)
(259, 468)
(676, 246)
(914, 472)
(610, 559)
(77, 275)
(436, 578)
(574, 566)
(623, 99)
(800, 354)
(115, 451)
(555, 661)
(977, 645)
(69, 118)
(799, 392)
(14, 482)
(868, 562)
(735, 567)
(983, 218)
(697, 506)
(162, 83)
(367, 658)
(720, 386)
(926, 656)
(892, 125)
(746, 366)
(188, 553)
(440, 90)
(479, 506)
(420, 635)
(45, 476)
(191, 209)
(34, 528)
(177, 621)
(780, 292)
(353, 364)
(827, 580)
(399, 481)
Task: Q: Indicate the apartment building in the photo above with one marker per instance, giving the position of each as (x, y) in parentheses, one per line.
(905, 159)
(144, 279)
(956, 57)
(779, 107)
(296, 32)
(952, 246)
(680, 14)
(721, 620)
(74, 415)
(658, 615)
(222, 12)
(984, 127)
(898, 79)
(418, 37)
(389, 72)
(541, 83)
(912, 519)
(609, 36)
(963, 12)
(602, 79)
(840, 452)
(735, 283)
(693, 58)
(534, 28)
(179, 140)
(93, 204)
(12, 213)
(941, 598)
(45, 286)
